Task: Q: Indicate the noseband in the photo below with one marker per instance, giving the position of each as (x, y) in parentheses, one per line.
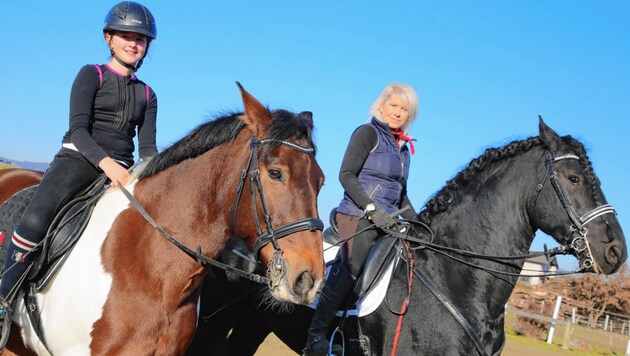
(276, 266)
(579, 246)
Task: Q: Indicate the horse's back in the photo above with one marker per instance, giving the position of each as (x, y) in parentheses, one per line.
(12, 180)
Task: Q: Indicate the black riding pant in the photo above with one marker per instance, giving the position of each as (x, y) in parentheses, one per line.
(357, 248)
(68, 174)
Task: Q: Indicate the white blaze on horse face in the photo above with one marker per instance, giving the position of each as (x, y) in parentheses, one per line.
(74, 299)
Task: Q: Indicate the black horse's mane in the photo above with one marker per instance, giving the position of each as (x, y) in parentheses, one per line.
(222, 129)
(441, 200)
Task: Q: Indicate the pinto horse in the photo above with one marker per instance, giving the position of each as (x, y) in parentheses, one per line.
(125, 289)
(456, 282)
(13, 180)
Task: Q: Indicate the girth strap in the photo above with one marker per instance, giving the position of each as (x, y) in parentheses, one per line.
(451, 308)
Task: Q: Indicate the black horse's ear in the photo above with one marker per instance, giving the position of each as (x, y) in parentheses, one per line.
(549, 137)
(308, 117)
(257, 117)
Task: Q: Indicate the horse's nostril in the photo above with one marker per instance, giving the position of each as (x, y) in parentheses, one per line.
(303, 284)
(613, 256)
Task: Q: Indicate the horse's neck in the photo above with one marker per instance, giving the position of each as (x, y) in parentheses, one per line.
(197, 195)
(490, 215)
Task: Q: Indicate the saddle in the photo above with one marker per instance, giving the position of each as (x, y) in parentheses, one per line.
(62, 234)
(381, 255)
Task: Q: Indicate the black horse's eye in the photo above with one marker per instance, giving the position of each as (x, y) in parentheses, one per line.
(275, 174)
(574, 179)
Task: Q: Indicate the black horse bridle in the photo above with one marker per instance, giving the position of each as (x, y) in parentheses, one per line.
(276, 267)
(578, 246)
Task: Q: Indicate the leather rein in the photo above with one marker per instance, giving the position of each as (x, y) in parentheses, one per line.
(277, 266)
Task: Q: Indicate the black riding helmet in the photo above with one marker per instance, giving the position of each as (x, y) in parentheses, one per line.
(131, 17)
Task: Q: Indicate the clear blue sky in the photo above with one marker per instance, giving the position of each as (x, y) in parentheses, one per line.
(483, 71)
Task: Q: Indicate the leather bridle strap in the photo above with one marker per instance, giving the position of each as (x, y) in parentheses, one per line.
(255, 186)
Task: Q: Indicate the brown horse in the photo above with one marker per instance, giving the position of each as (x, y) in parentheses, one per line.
(125, 289)
(15, 179)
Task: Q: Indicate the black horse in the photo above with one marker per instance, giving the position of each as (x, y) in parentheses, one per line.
(493, 207)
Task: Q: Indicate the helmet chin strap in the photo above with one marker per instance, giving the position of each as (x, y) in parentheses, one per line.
(131, 69)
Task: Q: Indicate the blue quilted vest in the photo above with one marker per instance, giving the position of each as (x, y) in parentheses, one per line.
(384, 173)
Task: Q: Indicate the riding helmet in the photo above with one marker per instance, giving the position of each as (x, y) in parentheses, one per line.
(131, 17)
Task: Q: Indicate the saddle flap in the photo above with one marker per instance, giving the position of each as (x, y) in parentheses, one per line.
(64, 231)
(381, 255)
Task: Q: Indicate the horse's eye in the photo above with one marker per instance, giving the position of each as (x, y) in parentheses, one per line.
(574, 179)
(275, 174)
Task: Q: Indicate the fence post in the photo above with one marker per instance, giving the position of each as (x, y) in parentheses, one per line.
(628, 349)
(573, 315)
(542, 306)
(556, 310)
(567, 336)
(623, 327)
(606, 322)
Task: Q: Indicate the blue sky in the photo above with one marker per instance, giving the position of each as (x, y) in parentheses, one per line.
(483, 71)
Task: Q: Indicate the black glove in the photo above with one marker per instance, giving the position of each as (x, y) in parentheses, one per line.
(381, 218)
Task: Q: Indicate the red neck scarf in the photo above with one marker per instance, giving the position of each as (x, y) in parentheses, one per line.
(400, 135)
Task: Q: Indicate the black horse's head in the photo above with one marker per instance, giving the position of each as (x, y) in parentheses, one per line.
(570, 206)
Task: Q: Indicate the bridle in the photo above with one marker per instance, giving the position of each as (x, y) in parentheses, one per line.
(578, 246)
(277, 266)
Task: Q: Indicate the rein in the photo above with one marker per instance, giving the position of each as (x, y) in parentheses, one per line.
(277, 266)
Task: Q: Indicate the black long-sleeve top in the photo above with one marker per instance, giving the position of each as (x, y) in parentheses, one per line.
(106, 108)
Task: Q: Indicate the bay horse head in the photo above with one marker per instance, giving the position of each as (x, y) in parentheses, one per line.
(572, 208)
(260, 180)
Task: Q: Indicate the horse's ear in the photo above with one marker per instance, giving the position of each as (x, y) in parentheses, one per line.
(549, 137)
(256, 117)
(308, 117)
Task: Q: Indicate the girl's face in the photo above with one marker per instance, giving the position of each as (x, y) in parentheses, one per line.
(395, 111)
(129, 47)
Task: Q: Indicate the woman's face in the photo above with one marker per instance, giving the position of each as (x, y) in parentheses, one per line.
(395, 111)
(129, 47)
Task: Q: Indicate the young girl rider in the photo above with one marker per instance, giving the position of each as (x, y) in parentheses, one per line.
(374, 175)
(108, 106)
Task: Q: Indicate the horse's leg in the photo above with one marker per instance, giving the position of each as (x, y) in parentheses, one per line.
(248, 335)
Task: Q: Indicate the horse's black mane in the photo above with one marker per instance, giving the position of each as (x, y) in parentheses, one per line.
(441, 200)
(220, 130)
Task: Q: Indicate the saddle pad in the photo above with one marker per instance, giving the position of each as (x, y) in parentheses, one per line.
(370, 301)
(10, 214)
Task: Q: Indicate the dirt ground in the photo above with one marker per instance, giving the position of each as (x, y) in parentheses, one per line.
(272, 346)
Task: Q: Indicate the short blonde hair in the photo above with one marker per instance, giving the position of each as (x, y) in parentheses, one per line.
(407, 93)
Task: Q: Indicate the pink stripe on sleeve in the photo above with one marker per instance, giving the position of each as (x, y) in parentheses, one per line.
(100, 74)
(147, 89)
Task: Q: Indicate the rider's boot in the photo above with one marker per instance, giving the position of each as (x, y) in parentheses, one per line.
(15, 266)
(331, 298)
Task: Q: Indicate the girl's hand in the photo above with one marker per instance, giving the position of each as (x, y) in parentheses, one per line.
(114, 171)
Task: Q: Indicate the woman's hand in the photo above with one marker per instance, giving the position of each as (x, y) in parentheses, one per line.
(381, 218)
(114, 171)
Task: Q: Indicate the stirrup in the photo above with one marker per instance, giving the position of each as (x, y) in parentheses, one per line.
(5, 324)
